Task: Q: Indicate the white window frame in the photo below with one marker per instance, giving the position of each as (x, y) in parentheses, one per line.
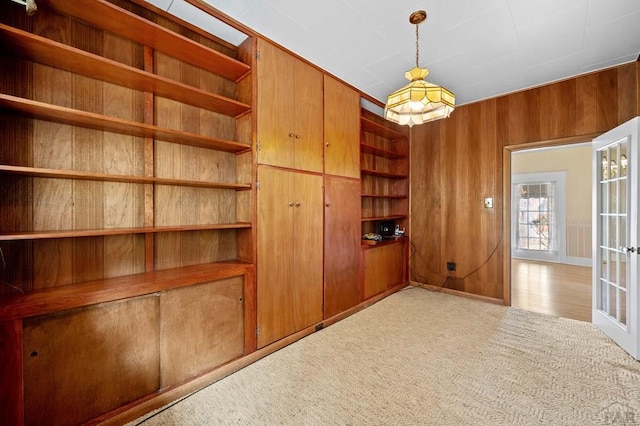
(560, 204)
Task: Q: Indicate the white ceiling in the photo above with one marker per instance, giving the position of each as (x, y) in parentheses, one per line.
(477, 49)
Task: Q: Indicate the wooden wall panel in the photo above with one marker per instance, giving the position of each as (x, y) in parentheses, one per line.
(457, 162)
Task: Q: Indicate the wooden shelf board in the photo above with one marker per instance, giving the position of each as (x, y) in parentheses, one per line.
(380, 152)
(72, 174)
(41, 235)
(102, 14)
(396, 197)
(383, 174)
(392, 217)
(371, 126)
(58, 55)
(74, 117)
(71, 296)
(365, 244)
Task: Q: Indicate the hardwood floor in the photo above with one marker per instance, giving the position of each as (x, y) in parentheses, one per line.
(551, 288)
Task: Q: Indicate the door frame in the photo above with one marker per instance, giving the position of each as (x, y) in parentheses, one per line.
(506, 193)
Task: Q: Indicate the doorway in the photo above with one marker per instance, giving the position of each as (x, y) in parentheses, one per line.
(551, 230)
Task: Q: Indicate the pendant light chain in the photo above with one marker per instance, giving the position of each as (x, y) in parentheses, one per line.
(417, 46)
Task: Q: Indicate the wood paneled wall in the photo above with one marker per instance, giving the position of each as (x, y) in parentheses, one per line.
(457, 162)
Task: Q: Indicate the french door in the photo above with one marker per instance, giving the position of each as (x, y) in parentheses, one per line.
(615, 242)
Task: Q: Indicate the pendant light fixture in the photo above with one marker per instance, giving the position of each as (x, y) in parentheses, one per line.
(419, 101)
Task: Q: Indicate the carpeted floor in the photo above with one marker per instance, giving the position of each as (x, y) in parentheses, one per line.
(423, 358)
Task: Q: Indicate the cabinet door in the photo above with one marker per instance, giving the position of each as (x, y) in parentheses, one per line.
(383, 268)
(275, 254)
(84, 362)
(275, 109)
(341, 129)
(201, 327)
(307, 242)
(308, 110)
(341, 244)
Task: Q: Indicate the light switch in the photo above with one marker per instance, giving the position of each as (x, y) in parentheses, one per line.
(488, 203)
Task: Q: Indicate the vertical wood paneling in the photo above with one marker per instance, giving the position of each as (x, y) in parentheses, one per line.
(586, 104)
(627, 99)
(566, 109)
(607, 100)
(457, 162)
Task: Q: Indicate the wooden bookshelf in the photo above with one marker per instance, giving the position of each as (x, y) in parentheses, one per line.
(112, 18)
(77, 295)
(58, 55)
(74, 117)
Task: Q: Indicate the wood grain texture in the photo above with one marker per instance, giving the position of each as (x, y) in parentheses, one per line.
(290, 111)
(128, 25)
(201, 327)
(307, 109)
(384, 169)
(275, 254)
(290, 237)
(12, 389)
(54, 54)
(341, 129)
(383, 268)
(60, 389)
(275, 102)
(341, 244)
(49, 301)
(457, 162)
(552, 288)
(90, 189)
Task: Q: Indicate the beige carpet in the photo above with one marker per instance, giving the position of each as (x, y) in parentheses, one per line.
(422, 358)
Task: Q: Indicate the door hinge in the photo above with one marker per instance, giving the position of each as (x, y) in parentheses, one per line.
(258, 146)
(257, 331)
(257, 184)
(257, 54)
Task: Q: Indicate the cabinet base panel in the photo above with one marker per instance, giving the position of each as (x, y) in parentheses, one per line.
(153, 402)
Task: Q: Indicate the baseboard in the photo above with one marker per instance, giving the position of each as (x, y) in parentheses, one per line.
(460, 293)
(578, 261)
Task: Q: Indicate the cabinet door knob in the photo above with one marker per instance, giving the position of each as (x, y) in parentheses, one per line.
(290, 204)
(298, 203)
(297, 136)
(291, 135)
(328, 204)
(327, 144)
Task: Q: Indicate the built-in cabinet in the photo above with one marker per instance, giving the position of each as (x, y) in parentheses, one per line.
(128, 167)
(383, 267)
(384, 161)
(290, 234)
(147, 167)
(289, 104)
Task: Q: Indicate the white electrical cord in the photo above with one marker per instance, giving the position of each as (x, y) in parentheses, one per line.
(30, 5)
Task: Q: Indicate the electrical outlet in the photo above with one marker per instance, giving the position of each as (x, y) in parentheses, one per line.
(451, 266)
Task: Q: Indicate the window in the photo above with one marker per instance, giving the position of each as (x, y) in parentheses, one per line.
(538, 216)
(535, 229)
